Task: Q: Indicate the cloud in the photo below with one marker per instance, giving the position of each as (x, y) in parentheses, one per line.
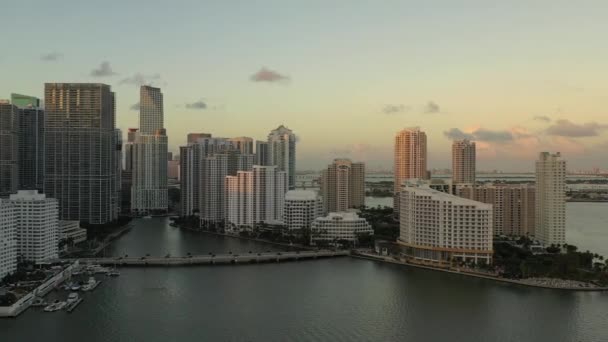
(543, 118)
(267, 75)
(139, 79)
(197, 105)
(565, 128)
(103, 70)
(431, 108)
(481, 134)
(457, 134)
(134, 106)
(390, 109)
(51, 57)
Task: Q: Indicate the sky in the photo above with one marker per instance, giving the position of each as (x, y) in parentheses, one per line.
(518, 77)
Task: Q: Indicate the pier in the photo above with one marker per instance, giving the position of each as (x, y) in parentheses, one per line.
(242, 258)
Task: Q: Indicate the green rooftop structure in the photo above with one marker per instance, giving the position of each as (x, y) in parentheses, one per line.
(25, 101)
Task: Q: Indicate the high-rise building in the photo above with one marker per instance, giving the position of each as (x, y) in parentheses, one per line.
(243, 144)
(189, 175)
(117, 166)
(131, 134)
(37, 225)
(80, 119)
(214, 170)
(255, 197)
(463, 161)
(339, 227)
(192, 138)
(25, 101)
(8, 238)
(550, 199)
(343, 185)
(438, 227)
(410, 160)
(302, 207)
(149, 192)
(261, 153)
(31, 142)
(169, 156)
(282, 152)
(9, 148)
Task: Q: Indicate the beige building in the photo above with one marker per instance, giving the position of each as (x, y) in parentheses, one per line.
(551, 199)
(463, 161)
(437, 227)
(343, 185)
(410, 159)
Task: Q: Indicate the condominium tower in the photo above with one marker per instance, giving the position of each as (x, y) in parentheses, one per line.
(410, 159)
(343, 185)
(282, 152)
(463, 161)
(8, 238)
(550, 199)
(302, 207)
(80, 150)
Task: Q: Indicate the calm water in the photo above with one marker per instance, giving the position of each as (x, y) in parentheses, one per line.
(340, 299)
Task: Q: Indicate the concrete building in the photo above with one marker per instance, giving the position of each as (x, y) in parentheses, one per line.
(80, 118)
(9, 148)
(343, 186)
(410, 160)
(436, 227)
(463, 161)
(37, 225)
(214, 170)
(302, 207)
(255, 197)
(173, 169)
(338, 227)
(149, 192)
(71, 230)
(189, 175)
(8, 238)
(128, 148)
(243, 144)
(31, 142)
(282, 152)
(261, 153)
(192, 138)
(550, 199)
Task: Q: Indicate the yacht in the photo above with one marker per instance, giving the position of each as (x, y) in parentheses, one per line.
(73, 301)
(75, 287)
(56, 306)
(91, 284)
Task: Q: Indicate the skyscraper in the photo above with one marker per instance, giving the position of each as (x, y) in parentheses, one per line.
(131, 134)
(31, 142)
(192, 138)
(8, 238)
(149, 192)
(550, 199)
(282, 152)
(9, 148)
(243, 144)
(261, 153)
(343, 186)
(410, 159)
(79, 150)
(214, 170)
(463, 161)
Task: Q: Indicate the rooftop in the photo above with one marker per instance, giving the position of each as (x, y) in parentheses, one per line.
(302, 195)
(423, 189)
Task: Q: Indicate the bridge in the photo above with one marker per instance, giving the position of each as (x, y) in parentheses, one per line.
(243, 258)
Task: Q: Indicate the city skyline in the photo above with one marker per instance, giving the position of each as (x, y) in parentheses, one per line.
(369, 69)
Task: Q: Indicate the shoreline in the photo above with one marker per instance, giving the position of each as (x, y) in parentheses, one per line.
(475, 275)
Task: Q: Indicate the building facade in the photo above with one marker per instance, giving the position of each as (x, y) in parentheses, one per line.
(80, 148)
(37, 225)
(463, 161)
(31, 142)
(343, 186)
(70, 231)
(8, 238)
(339, 227)
(243, 144)
(261, 153)
(302, 207)
(410, 160)
(282, 152)
(9, 151)
(550, 199)
(437, 227)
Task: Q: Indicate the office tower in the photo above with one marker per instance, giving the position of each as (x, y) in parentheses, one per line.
(214, 170)
(8, 238)
(438, 227)
(31, 142)
(343, 186)
(192, 138)
(282, 152)
(25, 101)
(261, 153)
(37, 225)
(189, 176)
(302, 207)
(550, 199)
(243, 144)
(339, 227)
(255, 197)
(410, 160)
(79, 150)
(9, 148)
(149, 192)
(463, 161)
(132, 133)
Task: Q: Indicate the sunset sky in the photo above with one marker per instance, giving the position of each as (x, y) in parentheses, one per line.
(518, 77)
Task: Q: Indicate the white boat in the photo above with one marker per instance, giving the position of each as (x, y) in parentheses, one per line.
(91, 284)
(75, 287)
(73, 301)
(56, 306)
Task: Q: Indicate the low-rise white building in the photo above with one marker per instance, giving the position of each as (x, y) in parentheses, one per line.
(72, 230)
(8, 238)
(37, 225)
(302, 207)
(336, 227)
(438, 227)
